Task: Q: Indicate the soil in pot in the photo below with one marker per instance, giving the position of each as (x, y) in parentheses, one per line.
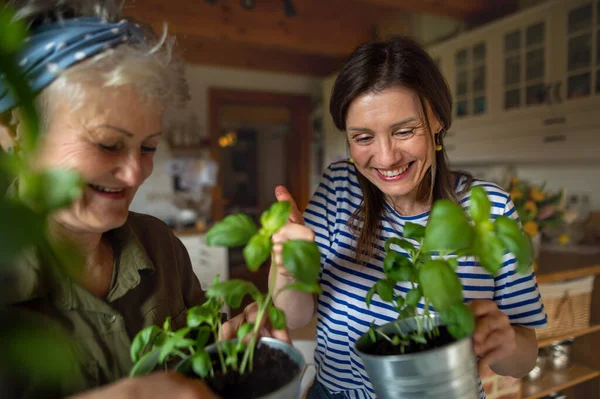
(383, 347)
(272, 370)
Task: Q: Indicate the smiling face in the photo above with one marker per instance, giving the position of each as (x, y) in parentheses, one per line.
(390, 142)
(110, 140)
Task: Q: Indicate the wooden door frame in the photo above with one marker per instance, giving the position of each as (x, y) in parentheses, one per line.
(297, 142)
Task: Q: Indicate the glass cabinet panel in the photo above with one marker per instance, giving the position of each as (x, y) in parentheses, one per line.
(512, 41)
(512, 99)
(536, 94)
(470, 80)
(512, 70)
(536, 34)
(479, 79)
(579, 85)
(535, 64)
(462, 82)
(580, 52)
(580, 18)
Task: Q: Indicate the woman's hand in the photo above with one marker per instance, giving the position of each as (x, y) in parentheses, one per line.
(293, 230)
(507, 349)
(229, 330)
(494, 338)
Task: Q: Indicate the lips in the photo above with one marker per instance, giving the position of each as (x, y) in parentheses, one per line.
(110, 192)
(394, 174)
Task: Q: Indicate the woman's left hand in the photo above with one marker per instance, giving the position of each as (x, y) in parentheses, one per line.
(494, 338)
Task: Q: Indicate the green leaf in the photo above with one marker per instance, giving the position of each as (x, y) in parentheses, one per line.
(51, 189)
(146, 364)
(276, 216)
(201, 364)
(171, 343)
(142, 340)
(448, 228)
(233, 291)
(277, 318)
(515, 241)
(202, 336)
(440, 284)
(490, 251)
(244, 330)
(460, 321)
(12, 32)
(372, 334)
(414, 231)
(385, 289)
(167, 324)
(311, 288)
(399, 302)
(413, 297)
(185, 343)
(397, 267)
(369, 296)
(21, 228)
(453, 262)
(418, 338)
(407, 312)
(199, 315)
(480, 205)
(184, 366)
(302, 259)
(233, 231)
(406, 245)
(257, 251)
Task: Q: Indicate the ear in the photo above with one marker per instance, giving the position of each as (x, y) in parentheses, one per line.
(8, 131)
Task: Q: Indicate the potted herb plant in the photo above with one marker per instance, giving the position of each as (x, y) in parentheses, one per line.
(249, 366)
(431, 355)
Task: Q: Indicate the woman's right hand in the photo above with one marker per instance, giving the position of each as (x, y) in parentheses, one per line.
(293, 230)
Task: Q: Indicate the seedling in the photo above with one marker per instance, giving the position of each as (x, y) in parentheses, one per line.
(154, 346)
(430, 267)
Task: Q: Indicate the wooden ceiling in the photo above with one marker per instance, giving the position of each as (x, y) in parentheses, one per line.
(313, 42)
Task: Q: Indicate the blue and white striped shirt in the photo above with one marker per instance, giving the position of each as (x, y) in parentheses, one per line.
(342, 314)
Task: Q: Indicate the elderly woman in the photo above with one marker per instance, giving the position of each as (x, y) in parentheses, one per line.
(395, 107)
(105, 87)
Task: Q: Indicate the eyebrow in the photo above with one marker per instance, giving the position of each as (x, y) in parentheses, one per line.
(392, 126)
(125, 132)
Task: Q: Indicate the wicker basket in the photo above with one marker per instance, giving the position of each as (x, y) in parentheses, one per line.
(567, 305)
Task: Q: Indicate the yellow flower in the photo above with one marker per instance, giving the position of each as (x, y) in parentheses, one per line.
(516, 194)
(537, 194)
(514, 181)
(563, 239)
(531, 207)
(531, 228)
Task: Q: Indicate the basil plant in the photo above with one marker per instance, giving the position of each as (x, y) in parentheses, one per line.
(430, 267)
(185, 348)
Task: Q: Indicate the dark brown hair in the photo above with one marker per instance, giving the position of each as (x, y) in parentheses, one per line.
(374, 67)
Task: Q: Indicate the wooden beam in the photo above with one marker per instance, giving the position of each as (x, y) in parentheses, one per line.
(329, 28)
(238, 55)
(451, 8)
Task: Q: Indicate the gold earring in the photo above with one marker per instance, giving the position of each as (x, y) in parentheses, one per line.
(438, 146)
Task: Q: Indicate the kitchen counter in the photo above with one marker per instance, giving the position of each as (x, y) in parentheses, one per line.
(556, 263)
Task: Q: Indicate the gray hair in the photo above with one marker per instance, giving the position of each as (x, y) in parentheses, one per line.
(150, 66)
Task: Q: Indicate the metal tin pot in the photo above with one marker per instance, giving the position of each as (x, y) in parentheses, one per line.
(448, 372)
(560, 355)
(292, 389)
(540, 365)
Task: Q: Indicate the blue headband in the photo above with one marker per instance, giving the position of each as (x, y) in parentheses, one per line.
(54, 47)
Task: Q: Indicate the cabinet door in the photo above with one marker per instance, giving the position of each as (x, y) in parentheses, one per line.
(469, 78)
(578, 38)
(524, 83)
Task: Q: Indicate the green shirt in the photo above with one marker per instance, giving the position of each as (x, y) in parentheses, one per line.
(152, 279)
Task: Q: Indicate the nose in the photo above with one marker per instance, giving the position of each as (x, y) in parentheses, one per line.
(386, 154)
(131, 170)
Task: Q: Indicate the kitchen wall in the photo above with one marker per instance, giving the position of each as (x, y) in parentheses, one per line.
(154, 192)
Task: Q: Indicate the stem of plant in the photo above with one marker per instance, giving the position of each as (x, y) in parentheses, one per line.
(249, 352)
(219, 351)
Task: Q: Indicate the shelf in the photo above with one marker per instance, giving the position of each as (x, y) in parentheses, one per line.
(553, 381)
(545, 278)
(559, 338)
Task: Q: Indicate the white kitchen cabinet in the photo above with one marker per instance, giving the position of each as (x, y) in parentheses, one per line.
(526, 88)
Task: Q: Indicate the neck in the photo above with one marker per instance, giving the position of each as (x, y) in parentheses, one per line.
(409, 204)
(89, 244)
